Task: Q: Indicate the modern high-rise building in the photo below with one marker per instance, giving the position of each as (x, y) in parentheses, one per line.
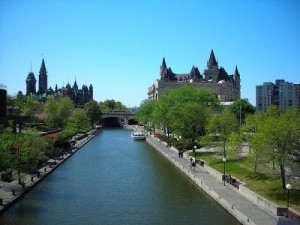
(282, 93)
(214, 78)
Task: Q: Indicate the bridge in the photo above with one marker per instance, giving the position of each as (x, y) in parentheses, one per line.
(114, 119)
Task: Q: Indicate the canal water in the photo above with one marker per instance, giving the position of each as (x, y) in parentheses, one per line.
(115, 180)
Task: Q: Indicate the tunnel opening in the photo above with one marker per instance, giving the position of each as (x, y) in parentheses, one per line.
(111, 122)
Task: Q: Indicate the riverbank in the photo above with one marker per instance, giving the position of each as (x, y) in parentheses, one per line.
(11, 192)
(244, 210)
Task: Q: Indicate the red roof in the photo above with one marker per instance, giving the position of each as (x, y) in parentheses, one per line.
(53, 135)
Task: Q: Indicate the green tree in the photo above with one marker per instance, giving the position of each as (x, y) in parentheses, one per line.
(222, 126)
(257, 155)
(241, 109)
(13, 105)
(29, 108)
(22, 152)
(145, 112)
(79, 119)
(177, 99)
(189, 117)
(111, 106)
(93, 111)
(279, 135)
(7, 141)
(58, 111)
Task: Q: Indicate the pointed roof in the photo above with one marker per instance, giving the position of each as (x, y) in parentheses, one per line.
(75, 84)
(43, 67)
(30, 77)
(212, 59)
(164, 65)
(236, 72)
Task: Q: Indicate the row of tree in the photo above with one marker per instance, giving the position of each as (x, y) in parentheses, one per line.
(197, 115)
(22, 153)
(55, 112)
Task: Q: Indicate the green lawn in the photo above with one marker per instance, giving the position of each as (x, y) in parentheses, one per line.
(265, 183)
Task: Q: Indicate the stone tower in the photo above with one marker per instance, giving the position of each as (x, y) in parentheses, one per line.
(43, 79)
(91, 92)
(30, 83)
(211, 73)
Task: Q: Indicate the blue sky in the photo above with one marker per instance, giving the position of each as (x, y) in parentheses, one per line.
(118, 46)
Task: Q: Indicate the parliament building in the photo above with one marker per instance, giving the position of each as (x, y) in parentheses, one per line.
(79, 96)
(225, 87)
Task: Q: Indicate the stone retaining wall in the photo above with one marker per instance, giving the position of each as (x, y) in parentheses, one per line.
(262, 202)
(231, 209)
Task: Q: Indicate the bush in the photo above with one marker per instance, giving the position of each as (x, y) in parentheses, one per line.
(169, 140)
(185, 144)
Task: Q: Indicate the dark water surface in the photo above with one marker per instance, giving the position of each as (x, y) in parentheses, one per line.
(115, 180)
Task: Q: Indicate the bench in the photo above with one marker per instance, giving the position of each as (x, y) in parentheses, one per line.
(291, 215)
(200, 162)
(231, 180)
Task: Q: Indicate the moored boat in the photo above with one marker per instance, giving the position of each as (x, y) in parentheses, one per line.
(138, 135)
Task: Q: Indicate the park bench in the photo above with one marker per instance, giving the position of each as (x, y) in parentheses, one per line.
(231, 180)
(290, 214)
(200, 162)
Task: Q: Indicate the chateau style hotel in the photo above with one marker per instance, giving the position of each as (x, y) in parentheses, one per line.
(226, 87)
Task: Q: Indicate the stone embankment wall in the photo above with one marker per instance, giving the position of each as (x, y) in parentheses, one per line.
(12, 192)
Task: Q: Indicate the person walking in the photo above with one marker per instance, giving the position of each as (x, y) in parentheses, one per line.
(194, 165)
(191, 163)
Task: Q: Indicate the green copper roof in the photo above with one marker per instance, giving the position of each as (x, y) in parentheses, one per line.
(30, 77)
(43, 67)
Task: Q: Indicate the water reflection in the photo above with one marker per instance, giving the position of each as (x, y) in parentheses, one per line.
(115, 180)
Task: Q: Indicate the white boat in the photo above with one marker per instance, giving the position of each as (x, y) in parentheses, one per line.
(138, 135)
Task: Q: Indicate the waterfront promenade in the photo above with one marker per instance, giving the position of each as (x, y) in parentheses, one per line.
(11, 192)
(239, 206)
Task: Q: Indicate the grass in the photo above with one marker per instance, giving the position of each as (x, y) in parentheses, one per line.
(266, 183)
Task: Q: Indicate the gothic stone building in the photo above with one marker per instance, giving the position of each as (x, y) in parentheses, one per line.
(225, 87)
(79, 96)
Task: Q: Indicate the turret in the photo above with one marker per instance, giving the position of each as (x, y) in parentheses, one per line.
(75, 86)
(211, 73)
(30, 83)
(91, 92)
(163, 69)
(195, 74)
(236, 72)
(212, 62)
(43, 78)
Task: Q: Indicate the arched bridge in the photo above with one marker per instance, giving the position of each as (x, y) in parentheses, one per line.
(115, 119)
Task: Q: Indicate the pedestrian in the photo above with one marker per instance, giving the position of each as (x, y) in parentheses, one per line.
(194, 165)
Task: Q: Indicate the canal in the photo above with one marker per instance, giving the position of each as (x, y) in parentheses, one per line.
(115, 180)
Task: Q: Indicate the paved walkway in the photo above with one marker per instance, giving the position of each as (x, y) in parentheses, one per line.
(236, 204)
(10, 192)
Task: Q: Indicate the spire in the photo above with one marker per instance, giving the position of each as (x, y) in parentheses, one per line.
(43, 67)
(75, 86)
(212, 62)
(236, 72)
(164, 65)
(163, 69)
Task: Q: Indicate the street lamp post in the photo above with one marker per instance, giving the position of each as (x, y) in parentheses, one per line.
(224, 161)
(288, 187)
(195, 147)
